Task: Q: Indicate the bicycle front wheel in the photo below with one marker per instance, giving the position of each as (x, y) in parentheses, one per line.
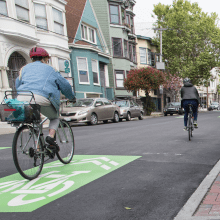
(65, 140)
(28, 161)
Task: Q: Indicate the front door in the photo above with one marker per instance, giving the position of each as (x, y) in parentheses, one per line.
(15, 63)
(102, 78)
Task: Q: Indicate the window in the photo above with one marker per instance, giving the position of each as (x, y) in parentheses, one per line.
(132, 25)
(128, 19)
(130, 52)
(143, 55)
(83, 70)
(62, 68)
(134, 54)
(126, 48)
(114, 14)
(40, 16)
(123, 15)
(149, 56)
(22, 9)
(3, 8)
(106, 102)
(119, 75)
(88, 33)
(99, 102)
(58, 21)
(153, 59)
(95, 71)
(117, 50)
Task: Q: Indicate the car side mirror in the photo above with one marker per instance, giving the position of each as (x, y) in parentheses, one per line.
(97, 104)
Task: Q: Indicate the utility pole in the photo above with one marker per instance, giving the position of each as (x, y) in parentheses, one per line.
(160, 65)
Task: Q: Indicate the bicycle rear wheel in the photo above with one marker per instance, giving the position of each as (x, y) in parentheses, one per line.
(28, 161)
(65, 140)
(189, 127)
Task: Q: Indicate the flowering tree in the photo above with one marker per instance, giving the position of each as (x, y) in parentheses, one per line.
(148, 79)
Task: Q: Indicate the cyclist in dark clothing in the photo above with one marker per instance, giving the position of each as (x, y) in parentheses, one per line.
(189, 95)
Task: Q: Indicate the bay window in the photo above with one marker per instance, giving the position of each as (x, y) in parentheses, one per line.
(143, 56)
(126, 49)
(22, 10)
(40, 16)
(58, 21)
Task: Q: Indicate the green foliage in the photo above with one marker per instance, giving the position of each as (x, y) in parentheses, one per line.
(191, 45)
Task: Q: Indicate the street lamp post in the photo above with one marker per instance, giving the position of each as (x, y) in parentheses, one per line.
(160, 65)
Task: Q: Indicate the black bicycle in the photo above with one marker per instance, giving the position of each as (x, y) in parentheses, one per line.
(190, 125)
(29, 148)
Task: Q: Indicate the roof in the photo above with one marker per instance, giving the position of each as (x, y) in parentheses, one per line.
(74, 11)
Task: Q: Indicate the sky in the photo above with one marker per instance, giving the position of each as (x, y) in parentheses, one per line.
(144, 8)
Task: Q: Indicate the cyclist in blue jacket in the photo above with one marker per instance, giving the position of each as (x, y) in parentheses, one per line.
(46, 84)
(189, 95)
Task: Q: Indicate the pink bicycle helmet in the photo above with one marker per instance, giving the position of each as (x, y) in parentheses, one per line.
(38, 52)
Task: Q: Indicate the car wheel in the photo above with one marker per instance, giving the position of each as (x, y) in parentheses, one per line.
(141, 116)
(94, 119)
(120, 119)
(116, 117)
(105, 121)
(128, 117)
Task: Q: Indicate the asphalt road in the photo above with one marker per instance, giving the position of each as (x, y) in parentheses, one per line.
(154, 186)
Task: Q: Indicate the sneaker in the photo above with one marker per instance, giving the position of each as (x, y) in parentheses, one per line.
(195, 124)
(53, 143)
(185, 129)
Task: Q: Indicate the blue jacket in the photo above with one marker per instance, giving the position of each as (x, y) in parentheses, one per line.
(42, 79)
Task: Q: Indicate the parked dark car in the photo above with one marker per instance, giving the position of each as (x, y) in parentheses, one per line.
(173, 108)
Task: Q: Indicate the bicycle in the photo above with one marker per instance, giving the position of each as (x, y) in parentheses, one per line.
(190, 125)
(29, 148)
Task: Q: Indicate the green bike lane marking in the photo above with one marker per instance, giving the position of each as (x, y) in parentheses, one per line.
(1, 148)
(56, 180)
(180, 117)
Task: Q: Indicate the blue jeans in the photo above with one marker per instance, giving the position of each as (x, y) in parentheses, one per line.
(186, 108)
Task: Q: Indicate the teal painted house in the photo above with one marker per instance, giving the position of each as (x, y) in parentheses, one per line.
(89, 52)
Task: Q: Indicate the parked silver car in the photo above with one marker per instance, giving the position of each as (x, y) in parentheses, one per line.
(129, 109)
(90, 111)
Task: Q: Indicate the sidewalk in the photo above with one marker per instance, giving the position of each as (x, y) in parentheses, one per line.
(204, 204)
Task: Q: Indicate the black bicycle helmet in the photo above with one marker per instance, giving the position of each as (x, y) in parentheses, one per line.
(186, 80)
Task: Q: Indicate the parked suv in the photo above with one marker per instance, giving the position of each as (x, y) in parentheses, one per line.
(129, 109)
(214, 105)
(90, 111)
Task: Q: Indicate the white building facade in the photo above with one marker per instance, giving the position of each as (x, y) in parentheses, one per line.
(25, 24)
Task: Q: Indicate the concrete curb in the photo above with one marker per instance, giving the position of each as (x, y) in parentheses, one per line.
(188, 210)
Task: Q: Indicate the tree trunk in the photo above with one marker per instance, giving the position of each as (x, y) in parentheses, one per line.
(148, 105)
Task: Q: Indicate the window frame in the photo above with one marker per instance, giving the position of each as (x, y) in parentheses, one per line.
(119, 16)
(113, 47)
(84, 83)
(20, 6)
(36, 3)
(149, 56)
(130, 52)
(143, 48)
(118, 87)
(97, 84)
(126, 43)
(88, 29)
(6, 8)
(61, 24)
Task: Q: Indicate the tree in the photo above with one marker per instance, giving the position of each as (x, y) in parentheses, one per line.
(191, 44)
(147, 79)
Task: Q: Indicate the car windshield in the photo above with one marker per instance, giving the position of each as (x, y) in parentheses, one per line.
(81, 103)
(173, 104)
(121, 103)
